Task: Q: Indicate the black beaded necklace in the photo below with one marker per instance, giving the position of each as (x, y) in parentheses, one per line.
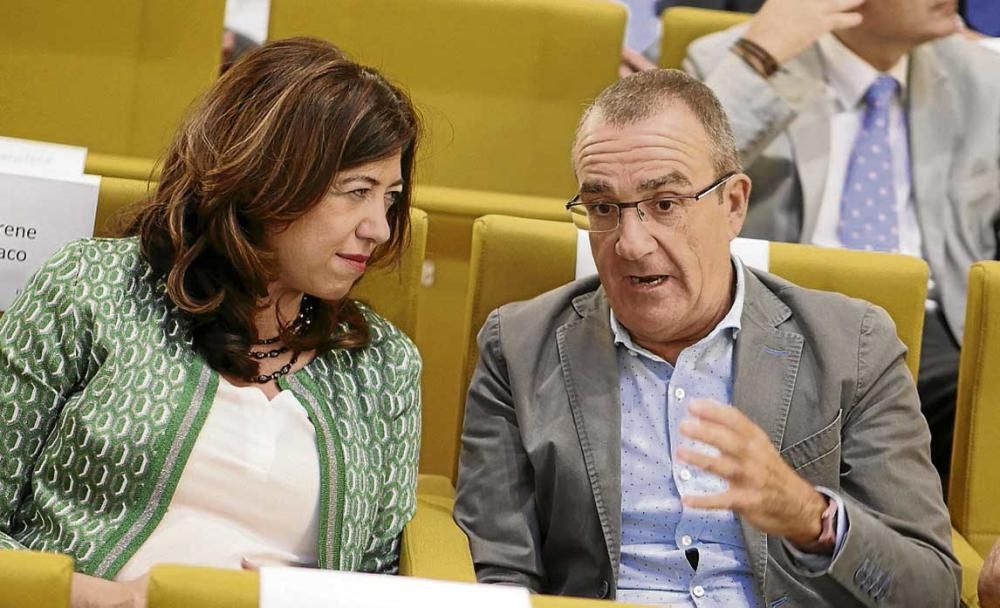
(301, 323)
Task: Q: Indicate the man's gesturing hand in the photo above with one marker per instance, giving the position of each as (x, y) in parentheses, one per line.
(763, 489)
(785, 28)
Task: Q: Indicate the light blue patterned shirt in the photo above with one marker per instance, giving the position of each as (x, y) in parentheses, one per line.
(661, 539)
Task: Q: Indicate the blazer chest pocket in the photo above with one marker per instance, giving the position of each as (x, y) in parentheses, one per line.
(817, 457)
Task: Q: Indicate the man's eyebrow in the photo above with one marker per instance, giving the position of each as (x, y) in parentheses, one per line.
(674, 178)
(595, 187)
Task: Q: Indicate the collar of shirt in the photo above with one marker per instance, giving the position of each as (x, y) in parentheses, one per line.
(850, 76)
(730, 321)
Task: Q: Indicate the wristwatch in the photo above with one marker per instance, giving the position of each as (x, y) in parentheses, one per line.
(827, 539)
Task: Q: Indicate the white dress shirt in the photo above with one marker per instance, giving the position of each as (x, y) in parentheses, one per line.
(249, 490)
(848, 77)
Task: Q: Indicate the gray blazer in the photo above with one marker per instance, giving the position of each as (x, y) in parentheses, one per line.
(782, 129)
(539, 485)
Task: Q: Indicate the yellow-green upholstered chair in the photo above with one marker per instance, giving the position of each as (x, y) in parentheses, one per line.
(35, 580)
(516, 259)
(974, 492)
(112, 75)
(683, 25)
(190, 587)
(500, 83)
(114, 197)
(442, 301)
(392, 290)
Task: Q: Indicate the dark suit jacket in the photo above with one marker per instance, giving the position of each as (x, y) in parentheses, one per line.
(539, 490)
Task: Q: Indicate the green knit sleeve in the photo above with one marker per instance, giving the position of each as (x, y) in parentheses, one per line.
(44, 346)
(401, 447)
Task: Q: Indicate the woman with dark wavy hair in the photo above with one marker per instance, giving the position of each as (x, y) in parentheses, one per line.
(205, 391)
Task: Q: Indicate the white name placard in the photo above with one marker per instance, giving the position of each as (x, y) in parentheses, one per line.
(753, 252)
(41, 158)
(305, 588)
(38, 215)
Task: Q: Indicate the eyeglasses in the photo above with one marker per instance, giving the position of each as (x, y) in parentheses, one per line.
(605, 216)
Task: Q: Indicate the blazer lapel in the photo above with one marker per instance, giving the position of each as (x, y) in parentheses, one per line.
(811, 135)
(590, 371)
(931, 110)
(766, 363)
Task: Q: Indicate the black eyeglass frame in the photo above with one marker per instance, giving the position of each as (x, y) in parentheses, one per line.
(575, 202)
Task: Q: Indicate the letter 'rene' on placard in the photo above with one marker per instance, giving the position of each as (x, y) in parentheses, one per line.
(46, 201)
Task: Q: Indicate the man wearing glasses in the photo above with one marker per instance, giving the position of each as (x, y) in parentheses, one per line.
(683, 430)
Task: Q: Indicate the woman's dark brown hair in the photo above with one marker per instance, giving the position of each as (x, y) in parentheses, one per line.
(261, 148)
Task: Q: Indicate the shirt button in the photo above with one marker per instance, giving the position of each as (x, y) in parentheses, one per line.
(686, 540)
(698, 591)
(685, 475)
(679, 393)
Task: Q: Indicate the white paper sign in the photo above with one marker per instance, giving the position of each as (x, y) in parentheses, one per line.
(753, 252)
(41, 158)
(585, 265)
(306, 588)
(38, 215)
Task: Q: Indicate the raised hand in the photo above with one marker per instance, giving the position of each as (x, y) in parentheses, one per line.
(763, 489)
(785, 28)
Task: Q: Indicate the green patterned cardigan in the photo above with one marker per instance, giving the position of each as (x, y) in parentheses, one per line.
(102, 398)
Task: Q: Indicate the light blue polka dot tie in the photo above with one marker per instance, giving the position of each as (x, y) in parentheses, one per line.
(868, 218)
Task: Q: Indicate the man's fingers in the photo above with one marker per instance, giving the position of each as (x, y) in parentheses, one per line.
(720, 466)
(842, 6)
(722, 501)
(725, 415)
(717, 435)
(637, 60)
(845, 21)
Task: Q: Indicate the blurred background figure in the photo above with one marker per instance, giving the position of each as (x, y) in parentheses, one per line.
(642, 35)
(868, 125)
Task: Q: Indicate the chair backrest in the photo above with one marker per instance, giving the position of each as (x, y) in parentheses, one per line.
(516, 259)
(392, 291)
(500, 83)
(897, 283)
(39, 580)
(115, 196)
(110, 75)
(683, 25)
(974, 487)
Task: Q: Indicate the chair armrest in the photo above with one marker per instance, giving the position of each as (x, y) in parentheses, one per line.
(31, 578)
(433, 545)
(972, 565)
(173, 586)
(435, 485)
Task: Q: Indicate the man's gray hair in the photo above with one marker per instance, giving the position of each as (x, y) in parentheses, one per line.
(641, 95)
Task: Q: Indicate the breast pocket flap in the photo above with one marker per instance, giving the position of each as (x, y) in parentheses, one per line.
(815, 447)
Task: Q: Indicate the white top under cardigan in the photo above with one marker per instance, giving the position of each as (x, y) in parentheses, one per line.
(249, 490)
